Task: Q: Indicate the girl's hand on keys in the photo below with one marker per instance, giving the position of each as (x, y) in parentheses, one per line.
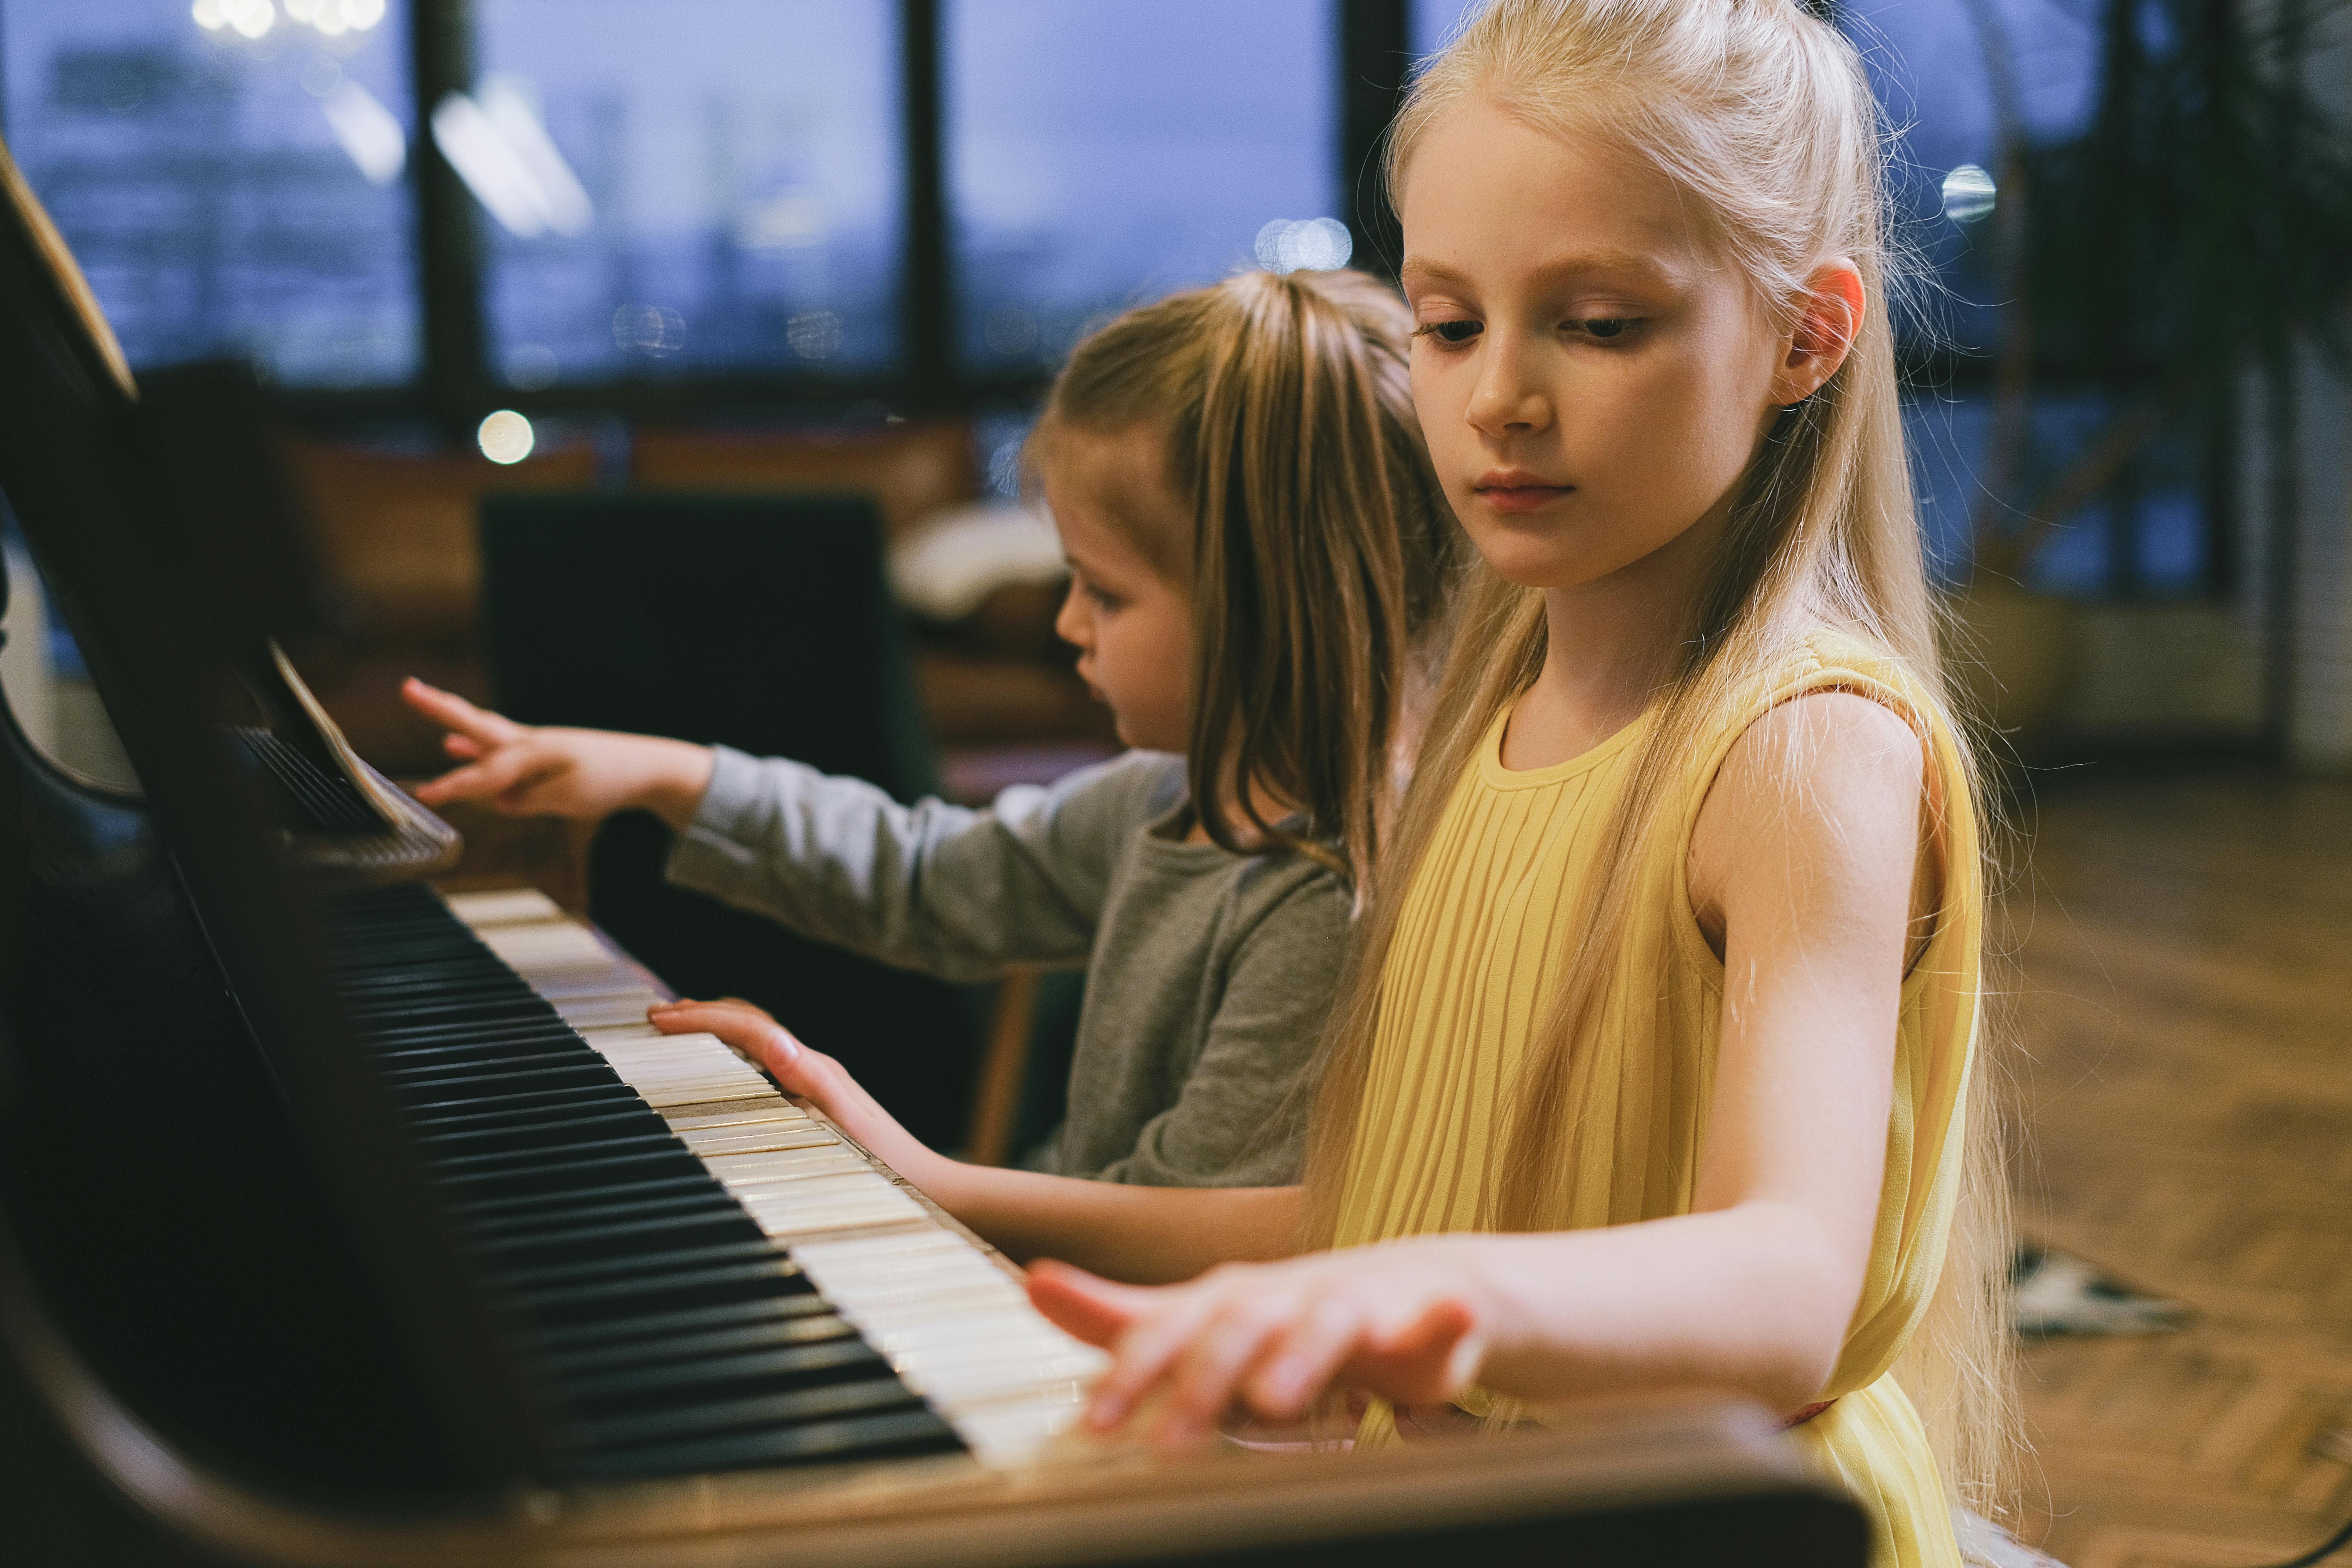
(523, 770)
(1272, 1338)
(806, 1073)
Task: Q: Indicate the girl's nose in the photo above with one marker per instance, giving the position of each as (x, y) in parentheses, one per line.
(1507, 396)
(1070, 621)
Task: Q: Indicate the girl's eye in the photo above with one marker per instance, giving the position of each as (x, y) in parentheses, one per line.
(1451, 334)
(1606, 326)
(1103, 598)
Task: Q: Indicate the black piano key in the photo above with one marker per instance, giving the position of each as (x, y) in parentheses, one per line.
(529, 1211)
(667, 1262)
(660, 1292)
(425, 1111)
(693, 1346)
(651, 1159)
(558, 1341)
(762, 1410)
(504, 1134)
(843, 1359)
(577, 1243)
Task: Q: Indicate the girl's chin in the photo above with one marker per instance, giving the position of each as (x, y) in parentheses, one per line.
(1536, 568)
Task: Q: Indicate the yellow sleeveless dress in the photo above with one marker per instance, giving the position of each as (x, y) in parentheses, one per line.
(1478, 949)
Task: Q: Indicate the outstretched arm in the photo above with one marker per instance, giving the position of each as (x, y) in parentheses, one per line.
(1804, 860)
(1141, 1233)
(526, 770)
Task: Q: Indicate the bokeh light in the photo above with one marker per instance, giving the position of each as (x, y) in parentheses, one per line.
(1969, 193)
(656, 329)
(1309, 244)
(815, 335)
(505, 437)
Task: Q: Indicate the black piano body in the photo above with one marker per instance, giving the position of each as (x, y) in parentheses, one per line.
(240, 1319)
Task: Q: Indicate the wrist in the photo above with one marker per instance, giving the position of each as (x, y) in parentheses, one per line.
(1482, 1268)
(677, 776)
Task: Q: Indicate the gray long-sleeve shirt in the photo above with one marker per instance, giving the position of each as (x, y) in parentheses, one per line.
(1208, 974)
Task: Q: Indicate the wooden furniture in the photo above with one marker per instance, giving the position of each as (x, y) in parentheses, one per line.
(910, 469)
(761, 622)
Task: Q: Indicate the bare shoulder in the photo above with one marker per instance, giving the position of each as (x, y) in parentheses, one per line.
(1825, 787)
(1830, 744)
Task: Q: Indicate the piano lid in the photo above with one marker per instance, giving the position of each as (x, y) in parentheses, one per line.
(93, 485)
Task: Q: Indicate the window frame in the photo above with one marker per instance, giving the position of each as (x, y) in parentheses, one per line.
(1371, 56)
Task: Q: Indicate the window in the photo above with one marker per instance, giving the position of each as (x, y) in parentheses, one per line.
(231, 175)
(1099, 156)
(1940, 66)
(1433, 22)
(699, 186)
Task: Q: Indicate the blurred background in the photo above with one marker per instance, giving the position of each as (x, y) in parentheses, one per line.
(874, 227)
(592, 250)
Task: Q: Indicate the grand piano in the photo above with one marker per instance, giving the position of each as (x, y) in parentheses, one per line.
(342, 1223)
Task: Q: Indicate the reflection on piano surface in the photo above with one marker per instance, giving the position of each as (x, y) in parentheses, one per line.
(344, 1224)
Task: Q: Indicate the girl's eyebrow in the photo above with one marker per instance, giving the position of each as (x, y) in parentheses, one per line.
(1634, 267)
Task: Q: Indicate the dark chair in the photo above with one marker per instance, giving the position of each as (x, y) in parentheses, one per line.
(761, 622)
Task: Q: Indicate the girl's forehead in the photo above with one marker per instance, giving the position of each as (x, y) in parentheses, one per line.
(1486, 186)
(1109, 498)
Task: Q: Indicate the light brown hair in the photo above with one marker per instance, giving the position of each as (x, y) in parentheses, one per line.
(1317, 542)
(1760, 115)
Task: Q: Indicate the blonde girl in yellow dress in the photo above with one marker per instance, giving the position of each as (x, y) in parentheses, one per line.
(1657, 1067)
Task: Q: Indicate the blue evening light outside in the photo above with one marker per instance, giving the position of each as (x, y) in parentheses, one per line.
(736, 197)
(229, 190)
(1102, 155)
(1433, 22)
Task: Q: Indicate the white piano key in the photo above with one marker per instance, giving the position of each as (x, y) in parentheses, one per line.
(553, 945)
(957, 1387)
(831, 1158)
(803, 1208)
(508, 906)
(749, 1116)
(604, 1012)
(670, 1048)
(783, 1136)
(1011, 1329)
(698, 1091)
(1004, 1435)
(856, 1251)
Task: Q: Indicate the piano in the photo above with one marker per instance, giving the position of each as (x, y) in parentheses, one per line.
(343, 1223)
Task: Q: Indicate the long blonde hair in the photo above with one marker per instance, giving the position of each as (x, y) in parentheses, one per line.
(1319, 538)
(1761, 117)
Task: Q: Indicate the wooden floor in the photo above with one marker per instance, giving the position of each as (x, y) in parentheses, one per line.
(2184, 978)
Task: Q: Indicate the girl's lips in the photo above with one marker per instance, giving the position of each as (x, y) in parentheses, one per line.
(1521, 498)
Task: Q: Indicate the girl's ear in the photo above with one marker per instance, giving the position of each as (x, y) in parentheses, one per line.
(1825, 329)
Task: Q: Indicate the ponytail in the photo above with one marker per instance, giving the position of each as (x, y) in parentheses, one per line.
(1319, 538)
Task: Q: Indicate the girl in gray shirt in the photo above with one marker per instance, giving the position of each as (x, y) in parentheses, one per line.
(1255, 541)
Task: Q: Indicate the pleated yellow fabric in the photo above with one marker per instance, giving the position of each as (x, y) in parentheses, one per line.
(1477, 956)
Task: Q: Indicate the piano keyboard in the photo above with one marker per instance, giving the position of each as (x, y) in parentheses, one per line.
(951, 1317)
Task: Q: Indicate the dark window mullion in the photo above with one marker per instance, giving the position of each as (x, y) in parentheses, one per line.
(1375, 50)
(449, 251)
(927, 313)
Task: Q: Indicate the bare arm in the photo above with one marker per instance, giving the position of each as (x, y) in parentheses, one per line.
(1809, 868)
(1148, 1235)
